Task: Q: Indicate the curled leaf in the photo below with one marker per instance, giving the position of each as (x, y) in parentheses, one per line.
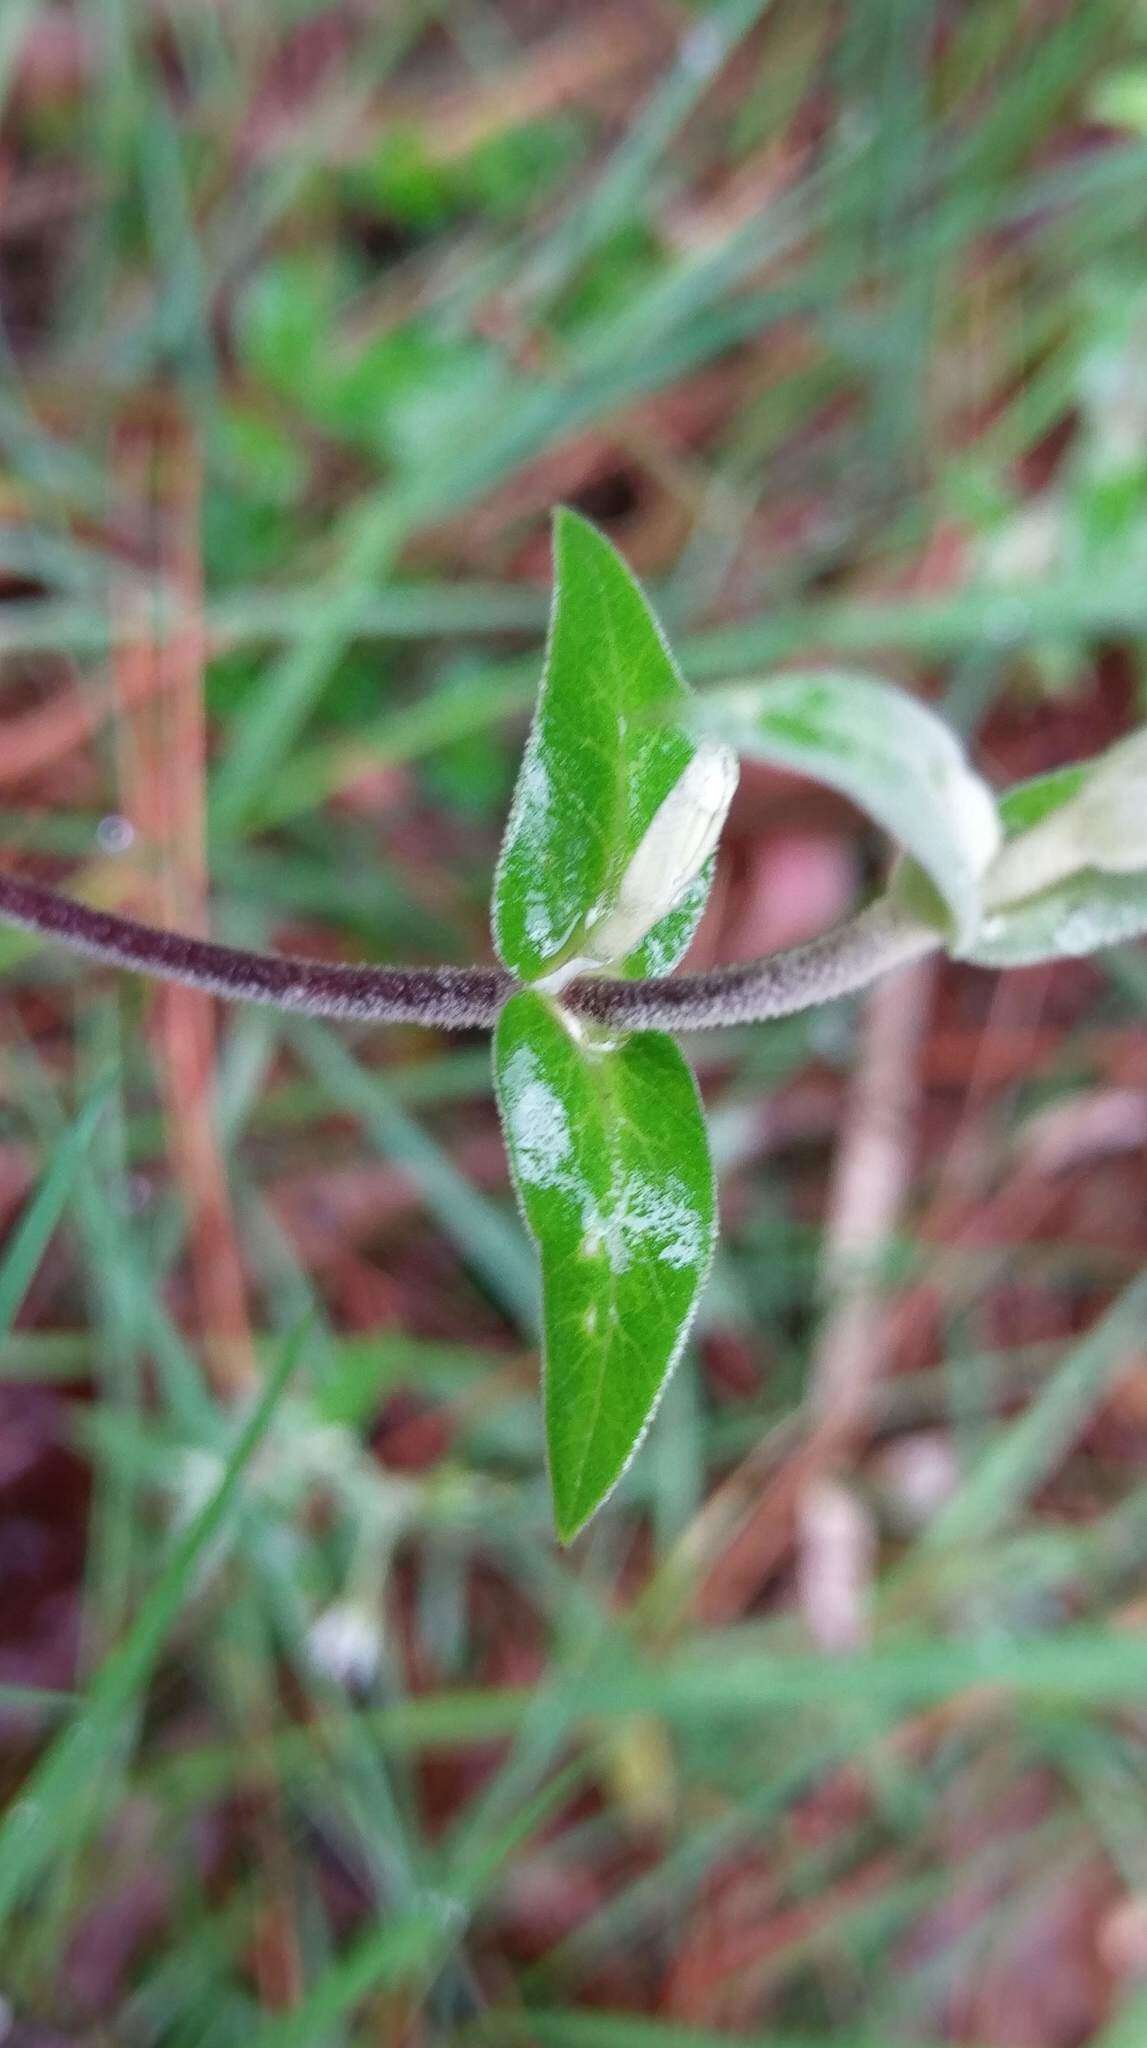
(1097, 818)
(890, 754)
(1072, 876)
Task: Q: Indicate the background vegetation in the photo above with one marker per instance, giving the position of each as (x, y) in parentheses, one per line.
(832, 1730)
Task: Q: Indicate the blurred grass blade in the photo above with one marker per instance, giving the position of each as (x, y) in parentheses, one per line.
(58, 1799)
(1026, 1451)
(542, 2028)
(487, 1238)
(35, 1699)
(265, 727)
(33, 1234)
(930, 627)
(251, 618)
(726, 1682)
(621, 193)
(407, 1949)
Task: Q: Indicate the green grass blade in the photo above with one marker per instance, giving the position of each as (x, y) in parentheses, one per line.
(32, 1235)
(56, 1800)
(556, 2029)
(488, 1239)
(1028, 1450)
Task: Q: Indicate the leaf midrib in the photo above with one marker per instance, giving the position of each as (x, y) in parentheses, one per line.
(603, 1095)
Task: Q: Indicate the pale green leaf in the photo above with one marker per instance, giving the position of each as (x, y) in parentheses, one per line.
(1078, 914)
(885, 751)
(610, 1161)
(1094, 816)
(617, 806)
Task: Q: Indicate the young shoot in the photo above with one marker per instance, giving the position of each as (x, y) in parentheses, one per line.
(603, 877)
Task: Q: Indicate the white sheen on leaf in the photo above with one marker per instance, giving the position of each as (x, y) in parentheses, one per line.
(538, 1124)
(611, 1167)
(654, 1221)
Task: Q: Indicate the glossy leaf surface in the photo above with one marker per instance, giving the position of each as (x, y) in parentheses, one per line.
(604, 754)
(610, 1161)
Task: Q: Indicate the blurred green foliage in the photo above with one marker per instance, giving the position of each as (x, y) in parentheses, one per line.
(835, 318)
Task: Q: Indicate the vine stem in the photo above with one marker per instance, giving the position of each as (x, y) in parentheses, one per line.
(465, 998)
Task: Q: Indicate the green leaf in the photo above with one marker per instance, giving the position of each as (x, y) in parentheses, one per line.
(889, 754)
(1029, 803)
(1093, 815)
(578, 879)
(1082, 915)
(663, 947)
(1084, 910)
(610, 1161)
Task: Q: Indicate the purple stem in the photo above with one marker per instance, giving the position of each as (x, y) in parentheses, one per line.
(464, 998)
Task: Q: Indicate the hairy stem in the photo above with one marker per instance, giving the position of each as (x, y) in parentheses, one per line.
(463, 998)
(847, 958)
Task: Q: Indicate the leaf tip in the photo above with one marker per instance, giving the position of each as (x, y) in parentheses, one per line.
(570, 526)
(565, 517)
(575, 1515)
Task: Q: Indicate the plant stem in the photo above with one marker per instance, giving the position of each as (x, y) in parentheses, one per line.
(466, 998)
(846, 958)
(455, 998)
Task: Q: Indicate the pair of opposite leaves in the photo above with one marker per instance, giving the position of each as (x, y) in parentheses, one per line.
(607, 864)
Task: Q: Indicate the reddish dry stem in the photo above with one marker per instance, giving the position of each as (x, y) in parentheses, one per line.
(163, 751)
